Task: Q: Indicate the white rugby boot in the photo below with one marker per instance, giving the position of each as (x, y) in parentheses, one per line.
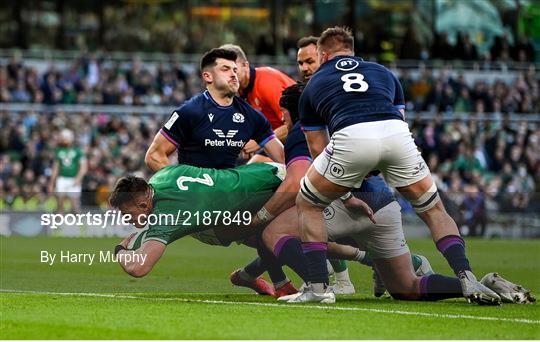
(310, 296)
(508, 291)
(475, 292)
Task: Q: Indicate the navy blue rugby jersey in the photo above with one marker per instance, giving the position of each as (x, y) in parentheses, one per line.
(295, 146)
(373, 190)
(209, 135)
(346, 91)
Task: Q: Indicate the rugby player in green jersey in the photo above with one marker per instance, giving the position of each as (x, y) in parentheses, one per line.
(180, 200)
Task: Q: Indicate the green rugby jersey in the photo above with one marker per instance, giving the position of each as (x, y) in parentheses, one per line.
(69, 160)
(190, 199)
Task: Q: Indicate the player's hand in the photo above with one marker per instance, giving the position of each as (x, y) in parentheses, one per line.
(357, 207)
(251, 147)
(126, 241)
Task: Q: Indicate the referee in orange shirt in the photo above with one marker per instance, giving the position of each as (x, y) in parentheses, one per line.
(261, 88)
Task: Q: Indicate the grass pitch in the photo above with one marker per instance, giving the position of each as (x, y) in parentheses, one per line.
(188, 296)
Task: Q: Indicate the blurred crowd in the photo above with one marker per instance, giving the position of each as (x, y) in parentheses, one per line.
(449, 93)
(480, 166)
(483, 166)
(91, 81)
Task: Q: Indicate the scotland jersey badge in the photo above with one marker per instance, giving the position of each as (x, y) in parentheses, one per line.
(238, 118)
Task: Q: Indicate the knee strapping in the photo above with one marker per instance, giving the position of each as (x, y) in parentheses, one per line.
(312, 195)
(427, 200)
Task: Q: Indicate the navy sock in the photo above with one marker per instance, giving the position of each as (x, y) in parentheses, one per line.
(270, 263)
(437, 287)
(315, 253)
(255, 268)
(453, 249)
(288, 251)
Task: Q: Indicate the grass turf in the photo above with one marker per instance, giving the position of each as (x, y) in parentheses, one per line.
(188, 296)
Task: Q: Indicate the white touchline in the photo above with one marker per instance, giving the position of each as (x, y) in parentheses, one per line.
(322, 307)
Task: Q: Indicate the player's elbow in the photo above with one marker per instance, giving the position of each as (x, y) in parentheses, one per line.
(138, 271)
(152, 160)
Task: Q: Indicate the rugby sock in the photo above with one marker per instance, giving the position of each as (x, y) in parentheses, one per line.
(270, 263)
(338, 265)
(246, 276)
(437, 287)
(342, 276)
(363, 257)
(315, 253)
(289, 252)
(255, 268)
(453, 249)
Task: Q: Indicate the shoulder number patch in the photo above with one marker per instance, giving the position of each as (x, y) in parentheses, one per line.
(172, 120)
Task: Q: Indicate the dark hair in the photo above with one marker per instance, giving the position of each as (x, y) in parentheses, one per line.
(290, 98)
(336, 38)
(306, 41)
(126, 190)
(209, 57)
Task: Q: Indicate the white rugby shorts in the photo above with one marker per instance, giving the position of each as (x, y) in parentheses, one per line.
(356, 150)
(383, 240)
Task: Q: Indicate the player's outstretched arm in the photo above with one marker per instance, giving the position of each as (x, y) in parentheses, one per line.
(157, 156)
(274, 149)
(140, 262)
(285, 196)
(317, 141)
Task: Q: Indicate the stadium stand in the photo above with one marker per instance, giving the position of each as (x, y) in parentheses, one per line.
(486, 160)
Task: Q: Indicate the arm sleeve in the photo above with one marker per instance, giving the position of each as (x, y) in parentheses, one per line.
(296, 147)
(177, 129)
(263, 130)
(309, 118)
(399, 98)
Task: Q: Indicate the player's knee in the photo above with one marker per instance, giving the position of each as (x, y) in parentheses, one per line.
(427, 200)
(310, 196)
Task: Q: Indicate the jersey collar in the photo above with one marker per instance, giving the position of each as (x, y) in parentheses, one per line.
(208, 96)
(335, 58)
(249, 88)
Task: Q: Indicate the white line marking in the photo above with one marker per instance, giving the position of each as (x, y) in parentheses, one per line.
(321, 307)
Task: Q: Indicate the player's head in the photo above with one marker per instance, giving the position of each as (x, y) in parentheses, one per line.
(219, 71)
(290, 98)
(306, 58)
(337, 40)
(241, 62)
(132, 196)
(66, 137)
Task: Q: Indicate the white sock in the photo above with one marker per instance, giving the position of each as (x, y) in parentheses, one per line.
(360, 255)
(318, 287)
(342, 276)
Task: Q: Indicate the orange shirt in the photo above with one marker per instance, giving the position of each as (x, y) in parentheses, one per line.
(264, 91)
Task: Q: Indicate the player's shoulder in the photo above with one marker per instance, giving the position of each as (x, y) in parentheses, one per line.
(191, 106)
(266, 73)
(374, 66)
